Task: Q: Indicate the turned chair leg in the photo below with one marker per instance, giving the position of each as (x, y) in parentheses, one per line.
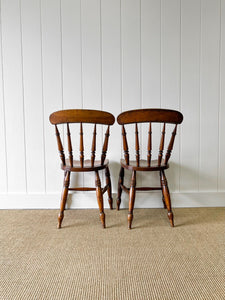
(109, 189)
(100, 198)
(121, 178)
(166, 195)
(66, 184)
(163, 200)
(131, 199)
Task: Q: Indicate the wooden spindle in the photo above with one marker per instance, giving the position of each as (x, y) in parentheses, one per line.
(137, 145)
(81, 146)
(149, 156)
(170, 147)
(70, 149)
(93, 148)
(161, 147)
(60, 147)
(105, 146)
(125, 145)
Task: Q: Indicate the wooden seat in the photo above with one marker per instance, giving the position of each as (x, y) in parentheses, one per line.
(69, 165)
(160, 164)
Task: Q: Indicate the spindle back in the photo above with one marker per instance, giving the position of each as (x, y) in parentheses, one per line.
(81, 116)
(150, 116)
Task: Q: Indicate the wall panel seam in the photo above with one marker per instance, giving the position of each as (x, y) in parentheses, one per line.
(220, 97)
(23, 100)
(3, 97)
(200, 93)
(42, 93)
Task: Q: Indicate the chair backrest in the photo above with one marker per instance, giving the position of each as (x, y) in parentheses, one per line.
(81, 116)
(149, 116)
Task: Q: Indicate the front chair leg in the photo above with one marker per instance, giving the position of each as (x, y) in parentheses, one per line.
(166, 195)
(99, 198)
(109, 190)
(66, 184)
(163, 200)
(131, 199)
(121, 178)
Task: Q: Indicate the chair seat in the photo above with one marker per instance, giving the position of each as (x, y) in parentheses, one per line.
(143, 165)
(87, 167)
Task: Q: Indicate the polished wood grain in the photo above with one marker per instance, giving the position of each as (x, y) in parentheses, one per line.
(160, 164)
(82, 164)
(82, 116)
(157, 115)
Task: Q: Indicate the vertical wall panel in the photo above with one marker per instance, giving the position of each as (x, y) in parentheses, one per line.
(33, 105)
(150, 53)
(170, 77)
(52, 87)
(190, 91)
(71, 54)
(209, 98)
(111, 78)
(91, 53)
(130, 30)
(221, 165)
(13, 96)
(3, 157)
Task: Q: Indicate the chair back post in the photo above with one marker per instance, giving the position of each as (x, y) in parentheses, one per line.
(125, 145)
(60, 146)
(81, 146)
(149, 155)
(170, 147)
(105, 146)
(93, 148)
(70, 149)
(161, 147)
(137, 145)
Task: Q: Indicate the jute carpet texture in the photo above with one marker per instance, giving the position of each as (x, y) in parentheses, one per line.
(84, 261)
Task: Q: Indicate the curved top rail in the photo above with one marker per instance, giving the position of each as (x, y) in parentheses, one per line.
(82, 116)
(150, 115)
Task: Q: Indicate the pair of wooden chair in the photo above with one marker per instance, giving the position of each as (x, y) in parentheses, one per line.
(69, 165)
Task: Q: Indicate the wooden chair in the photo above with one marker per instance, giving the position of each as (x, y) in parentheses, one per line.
(70, 165)
(150, 116)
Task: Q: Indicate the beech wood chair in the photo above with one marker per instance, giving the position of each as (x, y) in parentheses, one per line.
(70, 165)
(147, 116)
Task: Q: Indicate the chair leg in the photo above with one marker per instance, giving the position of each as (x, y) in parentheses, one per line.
(121, 178)
(100, 198)
(109, 189)
(66, 184)
(131, 199)
(163, 200)
(166, 195)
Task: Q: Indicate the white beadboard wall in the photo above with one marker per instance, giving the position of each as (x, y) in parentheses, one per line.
(114, 56)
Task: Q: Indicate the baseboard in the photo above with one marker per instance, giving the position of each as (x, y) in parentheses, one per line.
(88, 200)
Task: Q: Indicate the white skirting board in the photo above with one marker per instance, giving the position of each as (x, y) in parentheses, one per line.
(88, 200)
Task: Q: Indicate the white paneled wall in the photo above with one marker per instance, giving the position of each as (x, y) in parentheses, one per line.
(114, 56)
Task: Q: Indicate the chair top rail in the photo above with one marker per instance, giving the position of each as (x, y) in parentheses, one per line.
(157, 115)
(82, 116)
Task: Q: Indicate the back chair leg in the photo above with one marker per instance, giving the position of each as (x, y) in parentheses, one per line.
(121, 178)
(166, 195)
(100, 198)
(109, 190)
(131, 199)
(163, 200)
(66, 184)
